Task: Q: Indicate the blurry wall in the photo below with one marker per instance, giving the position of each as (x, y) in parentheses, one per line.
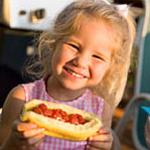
(14, 46)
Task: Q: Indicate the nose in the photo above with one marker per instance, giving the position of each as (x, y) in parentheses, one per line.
(82, 60)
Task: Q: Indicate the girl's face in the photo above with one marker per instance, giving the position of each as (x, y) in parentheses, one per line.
(82, 60)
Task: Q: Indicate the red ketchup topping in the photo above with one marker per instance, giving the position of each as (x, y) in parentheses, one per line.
(59, 114)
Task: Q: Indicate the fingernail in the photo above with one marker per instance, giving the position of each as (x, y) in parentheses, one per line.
(100, 131)
(34, 125)
(41, 129)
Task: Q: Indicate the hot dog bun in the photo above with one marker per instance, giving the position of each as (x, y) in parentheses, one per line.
(60, 129)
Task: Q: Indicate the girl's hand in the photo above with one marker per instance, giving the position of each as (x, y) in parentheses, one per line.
(25, 135)
(103, 141)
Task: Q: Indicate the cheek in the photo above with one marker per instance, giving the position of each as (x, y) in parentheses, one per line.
(55, 62)
(66, 53)
(60, 57)
(98, 70)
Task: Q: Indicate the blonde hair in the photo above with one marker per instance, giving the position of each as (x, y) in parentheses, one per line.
(112, 86)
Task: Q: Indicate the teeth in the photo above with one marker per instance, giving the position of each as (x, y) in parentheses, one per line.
(74, 74)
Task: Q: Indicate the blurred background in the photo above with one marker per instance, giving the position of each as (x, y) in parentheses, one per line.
(22, 21)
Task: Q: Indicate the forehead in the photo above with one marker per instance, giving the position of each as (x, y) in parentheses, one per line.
(98, 32)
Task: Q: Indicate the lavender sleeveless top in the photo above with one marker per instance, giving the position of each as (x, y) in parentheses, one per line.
(87, 102)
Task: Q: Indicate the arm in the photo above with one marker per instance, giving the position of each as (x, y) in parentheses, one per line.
(105, 138)
(107, 115)
(107, 120)
(11, 111)
(14, 134)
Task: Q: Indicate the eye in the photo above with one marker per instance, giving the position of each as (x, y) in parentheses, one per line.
(98, 57)
(74, 46)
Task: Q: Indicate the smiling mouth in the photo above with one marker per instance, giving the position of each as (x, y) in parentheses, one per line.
(74, 73)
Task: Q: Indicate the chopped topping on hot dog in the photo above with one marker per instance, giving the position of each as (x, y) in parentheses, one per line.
(59, 114)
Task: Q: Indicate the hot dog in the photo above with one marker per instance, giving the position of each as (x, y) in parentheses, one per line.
(60, 120)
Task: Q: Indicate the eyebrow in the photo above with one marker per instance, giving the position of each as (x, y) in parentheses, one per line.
(74, 39)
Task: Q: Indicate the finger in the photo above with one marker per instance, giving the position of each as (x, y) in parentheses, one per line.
(20, 126)
(28, 133)
(88, 147)
(36, 139)
(101, 138)
(100, 145)
(104, 130)
(38, 143)
(33, 132)
(26, 126)
(31, 142)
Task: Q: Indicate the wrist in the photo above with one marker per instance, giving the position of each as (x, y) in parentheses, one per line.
(9, 145)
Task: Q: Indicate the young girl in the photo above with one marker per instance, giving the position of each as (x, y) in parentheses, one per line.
(83, 61)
